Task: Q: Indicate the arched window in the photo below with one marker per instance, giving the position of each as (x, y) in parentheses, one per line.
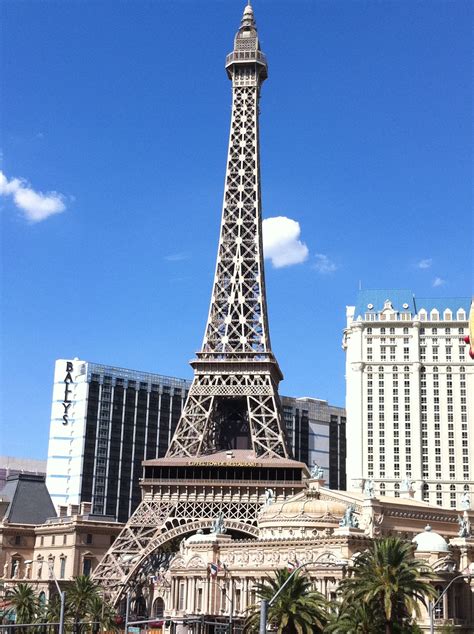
(381, 369)
(438, 487)
(158, 608)
(395, 369)
(461, 315)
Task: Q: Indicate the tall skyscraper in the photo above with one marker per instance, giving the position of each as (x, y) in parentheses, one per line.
(410, 395)
(104, 422)
(316, 433)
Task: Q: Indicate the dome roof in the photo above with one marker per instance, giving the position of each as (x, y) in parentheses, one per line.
(430, 542)
(302, 511)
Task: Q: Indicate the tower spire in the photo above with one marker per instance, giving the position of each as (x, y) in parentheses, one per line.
(233, 402)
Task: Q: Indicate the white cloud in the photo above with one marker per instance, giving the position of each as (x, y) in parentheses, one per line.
(425, 264)
(438, 281)
(177, 257)
(35, 206)
(281, 243)
(323, 264)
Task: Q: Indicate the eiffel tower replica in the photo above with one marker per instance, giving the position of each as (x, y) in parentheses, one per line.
(229, 448)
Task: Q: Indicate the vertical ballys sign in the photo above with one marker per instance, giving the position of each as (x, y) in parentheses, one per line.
(67, 391)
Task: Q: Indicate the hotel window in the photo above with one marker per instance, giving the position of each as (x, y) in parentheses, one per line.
(86, 566)
(238, 594)
(182, 592)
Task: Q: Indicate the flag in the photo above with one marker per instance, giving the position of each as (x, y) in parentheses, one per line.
(214, 569)
(291, 565)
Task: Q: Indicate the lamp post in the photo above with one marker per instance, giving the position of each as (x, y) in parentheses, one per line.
(265, 604)
(432, 604)
(62, 595)
(230, 601)
(127, 610)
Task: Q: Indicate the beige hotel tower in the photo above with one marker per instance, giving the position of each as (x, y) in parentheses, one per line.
(409, 396)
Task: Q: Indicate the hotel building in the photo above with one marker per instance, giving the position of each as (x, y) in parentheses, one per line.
(409, 396)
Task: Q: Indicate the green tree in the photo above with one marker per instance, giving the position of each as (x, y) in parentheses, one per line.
(391, 581)
(51, 611)
(101, 614)
(79, 598)
(297, 610)
(349, 617)
(24, 603)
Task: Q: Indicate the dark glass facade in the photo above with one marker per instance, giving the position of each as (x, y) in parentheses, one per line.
(128, 420)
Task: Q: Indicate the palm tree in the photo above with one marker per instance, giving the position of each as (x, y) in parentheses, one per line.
(52, 612)
(389, 579)
(354, 618)
(24, 603)
(297, 610)
(101, 614)
(79, 598)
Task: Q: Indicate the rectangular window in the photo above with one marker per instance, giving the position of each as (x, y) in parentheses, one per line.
(182, 593)
(87, 566)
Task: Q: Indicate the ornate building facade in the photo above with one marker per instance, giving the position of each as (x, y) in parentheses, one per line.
(211, 581)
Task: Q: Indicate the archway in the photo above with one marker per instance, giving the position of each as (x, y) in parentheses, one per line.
(158, 608)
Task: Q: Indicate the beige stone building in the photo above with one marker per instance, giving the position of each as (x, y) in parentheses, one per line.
(36, 543)
(212, 579)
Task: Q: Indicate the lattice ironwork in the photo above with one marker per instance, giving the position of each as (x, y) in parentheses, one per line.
(170, 512)
(236, 359)
(234, 394)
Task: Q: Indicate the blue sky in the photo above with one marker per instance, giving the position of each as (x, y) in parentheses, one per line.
(123, 110)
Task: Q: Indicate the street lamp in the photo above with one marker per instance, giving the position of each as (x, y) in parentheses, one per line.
(265, 604)
(229, 599)
(62, 595)
(432, 604)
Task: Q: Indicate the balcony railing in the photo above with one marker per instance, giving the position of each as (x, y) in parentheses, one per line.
(243, 56)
